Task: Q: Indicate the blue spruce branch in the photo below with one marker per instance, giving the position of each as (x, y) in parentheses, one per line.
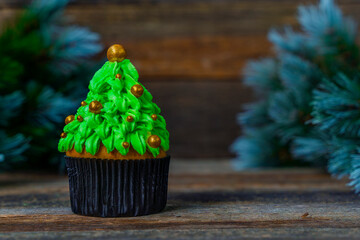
(309, 97)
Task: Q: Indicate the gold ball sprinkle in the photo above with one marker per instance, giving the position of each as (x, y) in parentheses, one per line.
(118, 76)
(125, 144)
(63, 135)
(69, 119)
(80, 118)
(95, 107)
(137, 90)
(154, 117)
(129, 118)
(116, 53)
(83, 103)
(154, 141)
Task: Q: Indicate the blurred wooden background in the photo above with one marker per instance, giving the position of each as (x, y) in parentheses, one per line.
(189, 55)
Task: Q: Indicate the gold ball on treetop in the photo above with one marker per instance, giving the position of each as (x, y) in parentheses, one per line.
(118, 76)
(80, 118)
(154, 141)
(69, 119)
(154, 117)
(129, 118)
(116, 53)
(137, 90)
(95, 107)
(125, 144)
(63, 135)
(83, 103)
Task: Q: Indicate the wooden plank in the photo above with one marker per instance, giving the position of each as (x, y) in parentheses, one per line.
(228, 234)
(191, 40)
(39, 223)
(288, 180)
(186, 39)
(217, 58)
(214, 204)
(201, 116)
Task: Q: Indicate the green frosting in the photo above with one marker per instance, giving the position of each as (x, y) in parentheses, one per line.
(110, 126)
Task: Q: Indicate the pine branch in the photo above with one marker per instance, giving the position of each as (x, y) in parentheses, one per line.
(10, 106)
(341, 151)
(337, 107)
(255, 115)
(11, 149)
(355, 173)
(262, 76)
(293, 42)
(313, 110)
(313, 148)
(36, 80)
(258, 149)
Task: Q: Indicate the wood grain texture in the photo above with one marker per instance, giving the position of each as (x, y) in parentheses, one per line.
(207, 40)
(213, 203)
(200, 116)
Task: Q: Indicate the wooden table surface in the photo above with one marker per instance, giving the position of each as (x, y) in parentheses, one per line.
(207, 200)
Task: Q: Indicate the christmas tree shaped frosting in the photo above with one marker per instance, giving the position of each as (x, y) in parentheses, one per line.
(118, 113)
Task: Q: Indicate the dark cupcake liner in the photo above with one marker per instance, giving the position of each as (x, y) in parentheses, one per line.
(117, 188)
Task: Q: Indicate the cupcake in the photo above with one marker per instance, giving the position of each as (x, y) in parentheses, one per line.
(116, 145)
